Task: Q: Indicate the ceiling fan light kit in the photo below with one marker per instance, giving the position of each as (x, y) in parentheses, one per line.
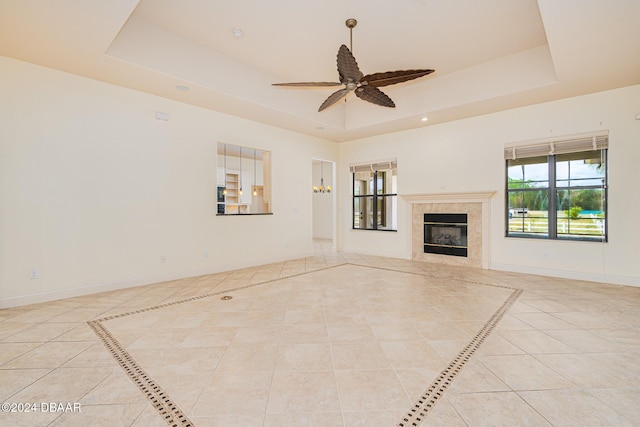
(365, 87)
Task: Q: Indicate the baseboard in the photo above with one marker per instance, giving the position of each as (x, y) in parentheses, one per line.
(566, 274)
(95, 288)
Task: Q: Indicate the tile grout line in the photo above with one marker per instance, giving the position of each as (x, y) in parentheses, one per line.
(428, 400)
(273, 374)
(333, 364)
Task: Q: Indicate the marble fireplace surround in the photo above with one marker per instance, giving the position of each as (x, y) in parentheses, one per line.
(476, 205)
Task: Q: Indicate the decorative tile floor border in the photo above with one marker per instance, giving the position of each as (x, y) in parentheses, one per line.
(160, 400)
(421, 408)
(174, 416)
(425, 274)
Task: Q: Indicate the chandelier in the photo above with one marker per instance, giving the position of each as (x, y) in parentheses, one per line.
(322, 188)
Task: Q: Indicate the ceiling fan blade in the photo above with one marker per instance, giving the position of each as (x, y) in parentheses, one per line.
(309, 84)
(375, 96)
(393, 77)
(347, 66)
(333, 98)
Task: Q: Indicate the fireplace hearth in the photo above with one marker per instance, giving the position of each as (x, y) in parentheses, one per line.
(445, 234)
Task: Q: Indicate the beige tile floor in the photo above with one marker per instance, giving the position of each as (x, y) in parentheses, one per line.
(331, 340)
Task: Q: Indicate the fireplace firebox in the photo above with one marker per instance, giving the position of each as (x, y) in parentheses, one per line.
(445, 234)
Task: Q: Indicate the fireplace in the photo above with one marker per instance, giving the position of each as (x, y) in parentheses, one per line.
(445, 234)
(477, 208)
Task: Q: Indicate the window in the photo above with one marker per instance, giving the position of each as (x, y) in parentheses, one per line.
(244, 180)
(558, 189)
(375, 198)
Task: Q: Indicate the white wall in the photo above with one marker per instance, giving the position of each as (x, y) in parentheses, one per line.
(95, 190)
(467, 155)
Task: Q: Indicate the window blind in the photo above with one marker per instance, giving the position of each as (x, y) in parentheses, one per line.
(369, 167)
(558, 145)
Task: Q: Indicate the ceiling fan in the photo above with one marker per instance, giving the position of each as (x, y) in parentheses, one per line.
(365, 87)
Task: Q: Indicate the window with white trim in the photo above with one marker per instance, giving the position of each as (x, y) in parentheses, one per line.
(375, 196)
(557, 189)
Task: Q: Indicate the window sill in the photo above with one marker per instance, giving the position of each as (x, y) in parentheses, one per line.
(246, 214)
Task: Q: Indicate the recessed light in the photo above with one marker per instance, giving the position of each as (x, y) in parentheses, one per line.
(182, 88)
(424, 119)
(237, 33)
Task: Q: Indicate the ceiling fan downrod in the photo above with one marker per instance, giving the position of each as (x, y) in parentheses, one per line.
(351, 23)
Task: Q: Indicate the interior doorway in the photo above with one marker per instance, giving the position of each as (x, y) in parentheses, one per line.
(323, 200)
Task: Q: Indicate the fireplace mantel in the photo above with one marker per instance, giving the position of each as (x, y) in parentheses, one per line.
(476, 204)
(480, 196)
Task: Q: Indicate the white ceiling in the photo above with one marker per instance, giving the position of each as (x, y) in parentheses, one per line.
(489, 55)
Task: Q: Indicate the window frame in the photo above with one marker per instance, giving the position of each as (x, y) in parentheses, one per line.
(376, 196)
(553, 189)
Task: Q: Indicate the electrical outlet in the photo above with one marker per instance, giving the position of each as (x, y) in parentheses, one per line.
(34, 274)
(163, 259)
